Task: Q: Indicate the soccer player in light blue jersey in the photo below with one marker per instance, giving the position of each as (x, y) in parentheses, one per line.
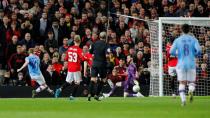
(186, 48)
(33, 63)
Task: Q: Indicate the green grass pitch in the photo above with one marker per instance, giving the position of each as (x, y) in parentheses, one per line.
(150, 107)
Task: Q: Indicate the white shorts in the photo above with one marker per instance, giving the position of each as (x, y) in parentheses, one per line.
(74, 76)
(39, 79)
(186, 75)
(172, 71)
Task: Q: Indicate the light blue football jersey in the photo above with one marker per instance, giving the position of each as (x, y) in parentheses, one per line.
(34, 65)
(186, 48)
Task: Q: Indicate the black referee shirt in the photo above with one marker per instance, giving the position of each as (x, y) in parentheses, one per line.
(99, 49)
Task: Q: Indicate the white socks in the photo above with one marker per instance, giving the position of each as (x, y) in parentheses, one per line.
(40, 88)
(182, 92)
(191, 87)
(49, 90)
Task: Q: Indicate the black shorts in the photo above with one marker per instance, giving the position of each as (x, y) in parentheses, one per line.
(98, 70)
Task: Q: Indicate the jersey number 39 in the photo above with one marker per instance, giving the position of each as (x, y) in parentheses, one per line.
(72, 57)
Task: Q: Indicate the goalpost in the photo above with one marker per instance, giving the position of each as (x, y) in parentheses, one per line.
(163, 31)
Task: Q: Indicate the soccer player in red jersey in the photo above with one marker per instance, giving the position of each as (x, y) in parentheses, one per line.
(89, 61)
(172, 61)
(74, 56)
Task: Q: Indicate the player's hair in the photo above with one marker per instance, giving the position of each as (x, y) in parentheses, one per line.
(30, 50)
(77, 39)
(102, 35)
(65, 38)
(185, 28)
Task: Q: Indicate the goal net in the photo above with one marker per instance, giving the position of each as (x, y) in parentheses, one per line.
(162, 33)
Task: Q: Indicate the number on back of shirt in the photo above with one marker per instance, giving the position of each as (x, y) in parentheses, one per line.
(186, 49)
(72, 57)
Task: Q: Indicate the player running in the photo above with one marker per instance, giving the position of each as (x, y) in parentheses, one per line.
(33, 63)
(186, 48)
(74, 56)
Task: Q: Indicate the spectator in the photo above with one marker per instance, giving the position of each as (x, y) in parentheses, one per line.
(3, 29)
(201, 12)
(64, 28)
(119, 53)
(26, 27)
(63, 72)
(56, 64)
(11, 47)
(51, 76)
(28, 41)
(86, 38)
(16, 61)
(21, 81)
(3, 4)
(170, 12)
(50, 42)
(57, 32)
(13, 31)
(64, 47)
(71, 40)
(139, 59)
(204, 72)
(102, 9)
(45, 61)
(42, 25)
(182, 11)
(146, 56)
(113, 42)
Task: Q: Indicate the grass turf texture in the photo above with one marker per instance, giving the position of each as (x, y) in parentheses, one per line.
(152, 107)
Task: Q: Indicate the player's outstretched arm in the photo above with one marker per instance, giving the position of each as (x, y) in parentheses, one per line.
(23, 66)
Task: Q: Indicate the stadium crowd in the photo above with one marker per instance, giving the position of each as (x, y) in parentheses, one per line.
(49, 27)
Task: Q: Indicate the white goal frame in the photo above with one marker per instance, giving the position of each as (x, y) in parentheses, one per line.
(171, 20)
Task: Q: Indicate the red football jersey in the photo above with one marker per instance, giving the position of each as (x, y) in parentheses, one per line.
(172, 61)
(89, 59)
(74, 57)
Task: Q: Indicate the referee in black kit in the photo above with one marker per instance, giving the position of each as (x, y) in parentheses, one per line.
(98, 49)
